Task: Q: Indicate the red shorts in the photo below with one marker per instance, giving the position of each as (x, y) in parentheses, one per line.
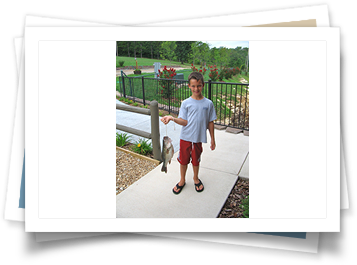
(189, 150)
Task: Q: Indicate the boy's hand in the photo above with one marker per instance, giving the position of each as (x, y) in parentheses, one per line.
(166, 119)
(213, 145)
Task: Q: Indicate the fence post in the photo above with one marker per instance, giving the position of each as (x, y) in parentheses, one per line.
(143, 90)
(155, 131)
(209, 89)
(169, 93)
(122, 78)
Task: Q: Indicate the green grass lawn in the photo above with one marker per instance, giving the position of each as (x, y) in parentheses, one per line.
(130, 61)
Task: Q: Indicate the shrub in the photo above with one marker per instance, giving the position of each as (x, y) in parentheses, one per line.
(213, 73)
(167, 86)
(226, 73)
(142, 147)
(203, 72)
(122, 139)
(236, 71)
(193, 68)
(135, 104)
(221, 75)
(119, 63)
(245, 207)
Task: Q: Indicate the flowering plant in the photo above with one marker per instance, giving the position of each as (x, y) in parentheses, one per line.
(202, 71)
(142, 147)
(213, 73)
(166, 85)
(193, 68)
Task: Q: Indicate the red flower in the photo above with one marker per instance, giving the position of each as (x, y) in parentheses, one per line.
(192, 64)
(200, 71)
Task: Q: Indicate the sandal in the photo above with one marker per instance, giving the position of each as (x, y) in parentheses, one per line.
(197, 185)
(179, 188)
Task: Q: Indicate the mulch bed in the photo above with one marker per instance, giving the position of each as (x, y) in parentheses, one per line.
(231, 208)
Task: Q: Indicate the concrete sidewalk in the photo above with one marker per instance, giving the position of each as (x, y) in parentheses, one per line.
(152, 196)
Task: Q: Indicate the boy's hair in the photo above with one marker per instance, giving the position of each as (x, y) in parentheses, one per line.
(197, 76)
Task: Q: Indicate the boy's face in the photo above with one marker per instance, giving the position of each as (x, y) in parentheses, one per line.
(196, 87)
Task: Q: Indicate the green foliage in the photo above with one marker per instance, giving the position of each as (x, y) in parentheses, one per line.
(183, 50)
(196, 52)
(142, 147)
(122, 139)
(135, 104)
(245, 207)
(202, 69)
(168, 50)
(167, 86)
(213, 73)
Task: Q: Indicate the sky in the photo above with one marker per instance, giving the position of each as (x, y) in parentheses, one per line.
(227, 44)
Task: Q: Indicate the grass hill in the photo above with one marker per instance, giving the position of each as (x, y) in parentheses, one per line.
(130, 61)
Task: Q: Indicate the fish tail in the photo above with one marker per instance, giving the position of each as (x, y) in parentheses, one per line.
(164, 168)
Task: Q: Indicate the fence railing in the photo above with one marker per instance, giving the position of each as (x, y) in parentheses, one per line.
(155, 129)
(231, 100)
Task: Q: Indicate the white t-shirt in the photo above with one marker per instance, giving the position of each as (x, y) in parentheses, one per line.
(198, 114)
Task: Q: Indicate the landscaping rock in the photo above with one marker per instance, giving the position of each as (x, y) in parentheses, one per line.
(130, 169)
(220, 127)
(233, 130)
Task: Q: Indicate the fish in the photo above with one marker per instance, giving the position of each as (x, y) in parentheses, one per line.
(167, 152)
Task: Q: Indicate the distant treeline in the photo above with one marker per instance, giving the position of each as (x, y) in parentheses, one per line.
(196, 52)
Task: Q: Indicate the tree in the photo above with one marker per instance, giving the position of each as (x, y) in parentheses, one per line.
(223, 56)
(214, 56)
(183, 50)
(168, 50)
(200, 51)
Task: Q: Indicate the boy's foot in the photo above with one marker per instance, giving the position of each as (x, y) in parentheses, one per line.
(177, 189)
(198, 186)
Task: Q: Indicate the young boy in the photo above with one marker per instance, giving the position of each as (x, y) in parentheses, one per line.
(196, 115)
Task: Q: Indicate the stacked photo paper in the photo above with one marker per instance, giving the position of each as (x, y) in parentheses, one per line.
(101, 213)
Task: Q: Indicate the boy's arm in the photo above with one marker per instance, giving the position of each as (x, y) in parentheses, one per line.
(179, 121)
(211, 133)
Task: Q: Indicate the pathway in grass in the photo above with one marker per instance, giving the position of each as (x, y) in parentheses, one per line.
(129, 72)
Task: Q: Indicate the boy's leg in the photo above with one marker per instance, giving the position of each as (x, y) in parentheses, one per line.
(183, 158)
(196, 158)
(183, 169)
(195, 176)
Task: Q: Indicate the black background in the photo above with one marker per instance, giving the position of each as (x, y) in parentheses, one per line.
(130, 247)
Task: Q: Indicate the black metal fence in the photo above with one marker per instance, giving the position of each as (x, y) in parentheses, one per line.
(231, 100)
